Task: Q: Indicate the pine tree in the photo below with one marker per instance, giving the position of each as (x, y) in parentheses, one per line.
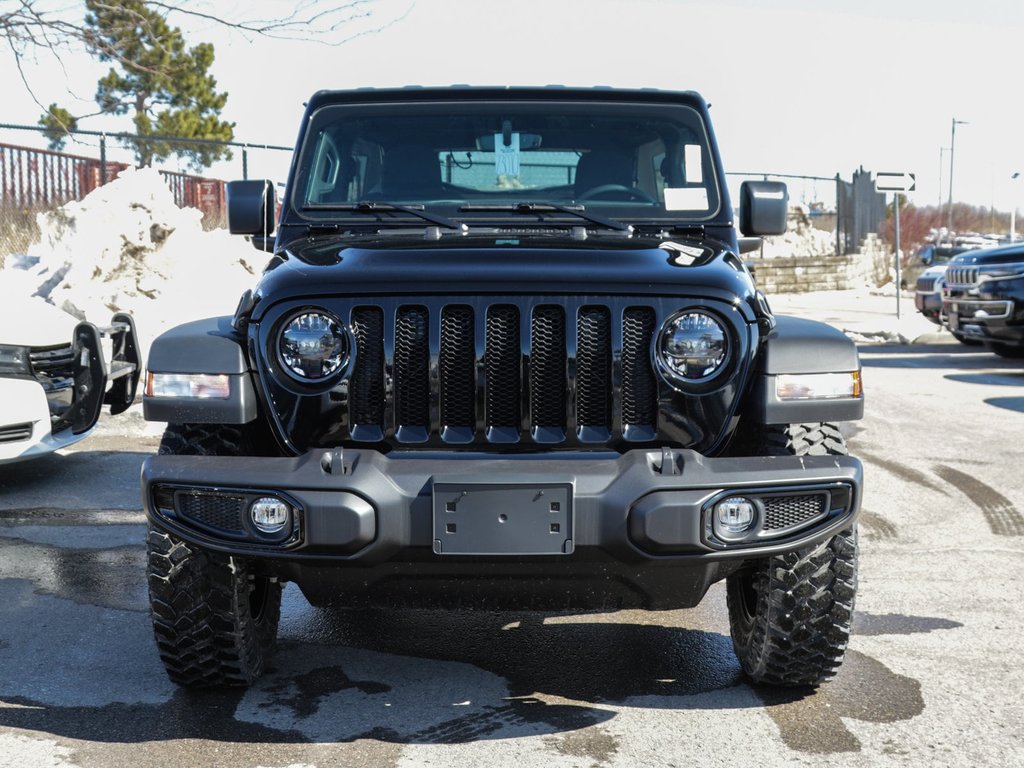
(165, 86)
(56, 123)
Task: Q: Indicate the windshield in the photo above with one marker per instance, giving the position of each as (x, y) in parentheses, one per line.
(638, 162)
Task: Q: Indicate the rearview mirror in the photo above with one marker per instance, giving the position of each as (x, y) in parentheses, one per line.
(251, 207)
(526, 141)
(763, 208)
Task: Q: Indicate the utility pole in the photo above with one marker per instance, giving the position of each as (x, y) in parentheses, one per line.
(942, 156)
(952, 147)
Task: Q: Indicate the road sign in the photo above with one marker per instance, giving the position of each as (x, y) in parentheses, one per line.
(895, 182)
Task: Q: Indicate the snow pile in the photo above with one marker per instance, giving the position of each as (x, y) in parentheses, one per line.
(801, 238)
(128, 247)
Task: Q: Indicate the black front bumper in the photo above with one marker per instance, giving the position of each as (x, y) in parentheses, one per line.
(630, 529)
(998, 321)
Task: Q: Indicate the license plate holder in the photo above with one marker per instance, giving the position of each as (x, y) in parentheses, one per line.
(502, 518)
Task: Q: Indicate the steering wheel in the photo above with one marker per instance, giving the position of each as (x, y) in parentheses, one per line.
(631, 192)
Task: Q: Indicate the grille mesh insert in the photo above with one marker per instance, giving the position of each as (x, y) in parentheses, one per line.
(214, 511)
(412, 367)
(782, 512)
(639, 389)
(456, 367)
(594, 367)
(502, 364)
(547, 367)
(368, 377)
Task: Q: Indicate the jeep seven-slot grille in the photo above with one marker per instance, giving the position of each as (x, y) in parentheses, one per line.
(962, 276)
(503, 373)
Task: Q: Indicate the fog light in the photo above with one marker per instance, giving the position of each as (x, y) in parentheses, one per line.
(734, 517)
(269, 515)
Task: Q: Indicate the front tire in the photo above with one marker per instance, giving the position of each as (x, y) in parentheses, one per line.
(1008, 350)
(215, 617)
(790, 615)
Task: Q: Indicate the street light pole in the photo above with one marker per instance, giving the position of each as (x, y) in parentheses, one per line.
(942, 155)
(1013, 211)
(952, 147)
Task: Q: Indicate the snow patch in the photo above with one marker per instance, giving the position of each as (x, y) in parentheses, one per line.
(127, 247)
(802, 238)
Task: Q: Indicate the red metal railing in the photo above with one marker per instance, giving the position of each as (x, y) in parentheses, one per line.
(36, 179)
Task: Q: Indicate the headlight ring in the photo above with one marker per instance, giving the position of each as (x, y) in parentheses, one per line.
(694, 347)
(313, 346)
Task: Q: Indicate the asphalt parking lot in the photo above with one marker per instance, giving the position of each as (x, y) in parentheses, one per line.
(933, 675)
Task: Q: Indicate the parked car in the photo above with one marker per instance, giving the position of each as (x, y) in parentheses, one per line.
(928, 293)
(983, 298)
(57, 373)
(928, 288)
(505, 354)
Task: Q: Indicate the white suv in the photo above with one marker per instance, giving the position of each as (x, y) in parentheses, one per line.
(57, 373)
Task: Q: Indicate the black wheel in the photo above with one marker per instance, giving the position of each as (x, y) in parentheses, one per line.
(214, 617)
(1007, 350)
(790, 614)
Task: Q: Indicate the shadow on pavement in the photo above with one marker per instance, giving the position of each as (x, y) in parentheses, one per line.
(84, 479)
(1009, 403)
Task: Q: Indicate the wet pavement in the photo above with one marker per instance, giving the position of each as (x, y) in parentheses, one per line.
(932, 676)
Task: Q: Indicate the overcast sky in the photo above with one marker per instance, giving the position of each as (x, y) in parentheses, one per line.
(797, 86)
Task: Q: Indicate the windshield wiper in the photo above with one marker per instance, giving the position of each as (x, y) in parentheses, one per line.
(531, 207)
(371, 206)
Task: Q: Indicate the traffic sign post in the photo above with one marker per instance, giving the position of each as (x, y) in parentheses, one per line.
(899, 183)
(896, 216)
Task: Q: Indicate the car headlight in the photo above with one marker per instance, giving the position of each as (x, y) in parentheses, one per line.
(1001, 271)
(14, 360)
(313, 346)
(693, 346)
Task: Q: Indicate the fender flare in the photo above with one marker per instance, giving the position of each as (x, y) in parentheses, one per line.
(208, 346)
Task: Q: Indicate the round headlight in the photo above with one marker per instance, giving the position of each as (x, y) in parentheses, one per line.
(313, 346)
(693, 346)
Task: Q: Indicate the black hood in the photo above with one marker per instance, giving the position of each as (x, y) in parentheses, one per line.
(1006, 254)
(334, 267)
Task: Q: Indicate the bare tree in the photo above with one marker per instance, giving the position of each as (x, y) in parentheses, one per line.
(55, 27)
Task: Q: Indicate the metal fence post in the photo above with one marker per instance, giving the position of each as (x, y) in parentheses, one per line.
(839, 219)
(103, 158)
(245, 162)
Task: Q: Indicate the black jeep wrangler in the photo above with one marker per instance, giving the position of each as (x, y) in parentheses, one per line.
(504, 354)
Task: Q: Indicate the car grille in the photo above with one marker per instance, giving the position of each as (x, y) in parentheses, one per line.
(962, 277)
(13, 433)
(462, 371)
(53, 367)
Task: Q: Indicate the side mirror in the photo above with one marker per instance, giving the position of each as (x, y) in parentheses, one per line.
(251, 207)
(764, 206)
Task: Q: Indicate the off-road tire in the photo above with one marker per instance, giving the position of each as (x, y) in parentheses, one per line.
(214, 618)
(790, 615)
(1008, 350)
